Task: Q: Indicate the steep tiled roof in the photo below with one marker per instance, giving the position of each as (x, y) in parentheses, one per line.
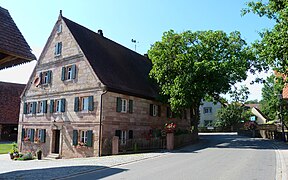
(14, 49)
(10, 102)
(119, 68)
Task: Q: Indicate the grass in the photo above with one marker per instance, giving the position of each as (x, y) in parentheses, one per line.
(5, 148)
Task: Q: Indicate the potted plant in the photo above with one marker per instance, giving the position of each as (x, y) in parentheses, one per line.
(39, 154)
(14, 152)
(170, 127)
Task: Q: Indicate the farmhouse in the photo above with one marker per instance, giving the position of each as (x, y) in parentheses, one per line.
(87, 89)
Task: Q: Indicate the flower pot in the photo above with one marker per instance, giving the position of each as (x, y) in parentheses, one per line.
(11, 156)
(39, 155)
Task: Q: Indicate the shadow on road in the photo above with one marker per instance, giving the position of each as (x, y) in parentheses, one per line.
(60, 172)
(223, 140)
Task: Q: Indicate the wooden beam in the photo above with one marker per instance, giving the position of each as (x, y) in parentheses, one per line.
(7, 59)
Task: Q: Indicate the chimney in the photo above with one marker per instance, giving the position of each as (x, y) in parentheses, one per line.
(100, 32)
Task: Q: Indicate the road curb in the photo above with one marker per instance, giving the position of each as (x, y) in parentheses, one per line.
(281, 170)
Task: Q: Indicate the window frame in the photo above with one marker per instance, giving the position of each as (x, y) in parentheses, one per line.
(209, 110)
(124, 105)
(123, 137)
(68, 73)
(40, 107)
(58, 49)
(83, 134)
(84, 101)
(155, 110)
(59, 28)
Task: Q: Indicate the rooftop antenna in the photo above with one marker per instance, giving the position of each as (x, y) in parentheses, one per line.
(134, 41)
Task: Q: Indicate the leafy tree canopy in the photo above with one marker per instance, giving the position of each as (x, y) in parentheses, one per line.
(270, 101)
(190, 65)
(271, 50)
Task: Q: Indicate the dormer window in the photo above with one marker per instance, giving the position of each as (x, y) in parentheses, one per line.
(58, 49)
(59, 28)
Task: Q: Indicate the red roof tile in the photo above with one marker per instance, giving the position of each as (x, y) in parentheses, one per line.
(10, 102)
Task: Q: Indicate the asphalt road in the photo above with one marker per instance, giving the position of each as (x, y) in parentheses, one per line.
(216, 156)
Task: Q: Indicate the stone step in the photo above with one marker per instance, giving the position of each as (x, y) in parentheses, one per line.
(52, 156)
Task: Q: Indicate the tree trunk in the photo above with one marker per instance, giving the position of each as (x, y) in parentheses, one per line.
(195, 117)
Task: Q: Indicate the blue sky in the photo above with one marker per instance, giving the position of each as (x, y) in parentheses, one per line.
(142, 20)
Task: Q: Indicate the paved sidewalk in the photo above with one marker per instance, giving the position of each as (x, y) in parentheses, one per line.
(61, 168)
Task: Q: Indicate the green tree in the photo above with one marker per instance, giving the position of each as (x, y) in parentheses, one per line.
(270, 101)
(235, 112)
(190, 65)
(271, 50)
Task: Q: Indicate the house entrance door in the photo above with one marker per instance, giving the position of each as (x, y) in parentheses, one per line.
(56, 141)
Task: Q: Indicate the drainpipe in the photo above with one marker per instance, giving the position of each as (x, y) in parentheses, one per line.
(100, 124)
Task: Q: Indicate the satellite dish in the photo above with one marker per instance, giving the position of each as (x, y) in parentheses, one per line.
(36, 81)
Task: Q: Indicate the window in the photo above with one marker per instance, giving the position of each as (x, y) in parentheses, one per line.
(208, 123)
(122, 136)
(28, 134)
(84, 103)
(30, 108)
(207, 110)
(40, 107)
(58, 49)
(57, 105)
(155, 110)
(83, 138)
(45, 77)
(123, 106)
(68, 72)
(30, 105)
(40, 135)
(59, 28)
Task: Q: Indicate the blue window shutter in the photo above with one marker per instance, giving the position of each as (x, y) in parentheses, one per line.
(23, 134)
(63, 74)
(34, 105)
(118, 105)
(51, 106)
(63, 105)
(43, 135)
(25, 108)
(32, 135)
(151, 110)
(89, 138)
(130, 106)
(49, 76)
(60, 47)
(73, 71)
(76, 104)
(40, 77)
(55, 49)
(91, 103)
(75, 137)
(44, 106)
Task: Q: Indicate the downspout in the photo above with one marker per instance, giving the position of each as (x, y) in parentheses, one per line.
(100, 124)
